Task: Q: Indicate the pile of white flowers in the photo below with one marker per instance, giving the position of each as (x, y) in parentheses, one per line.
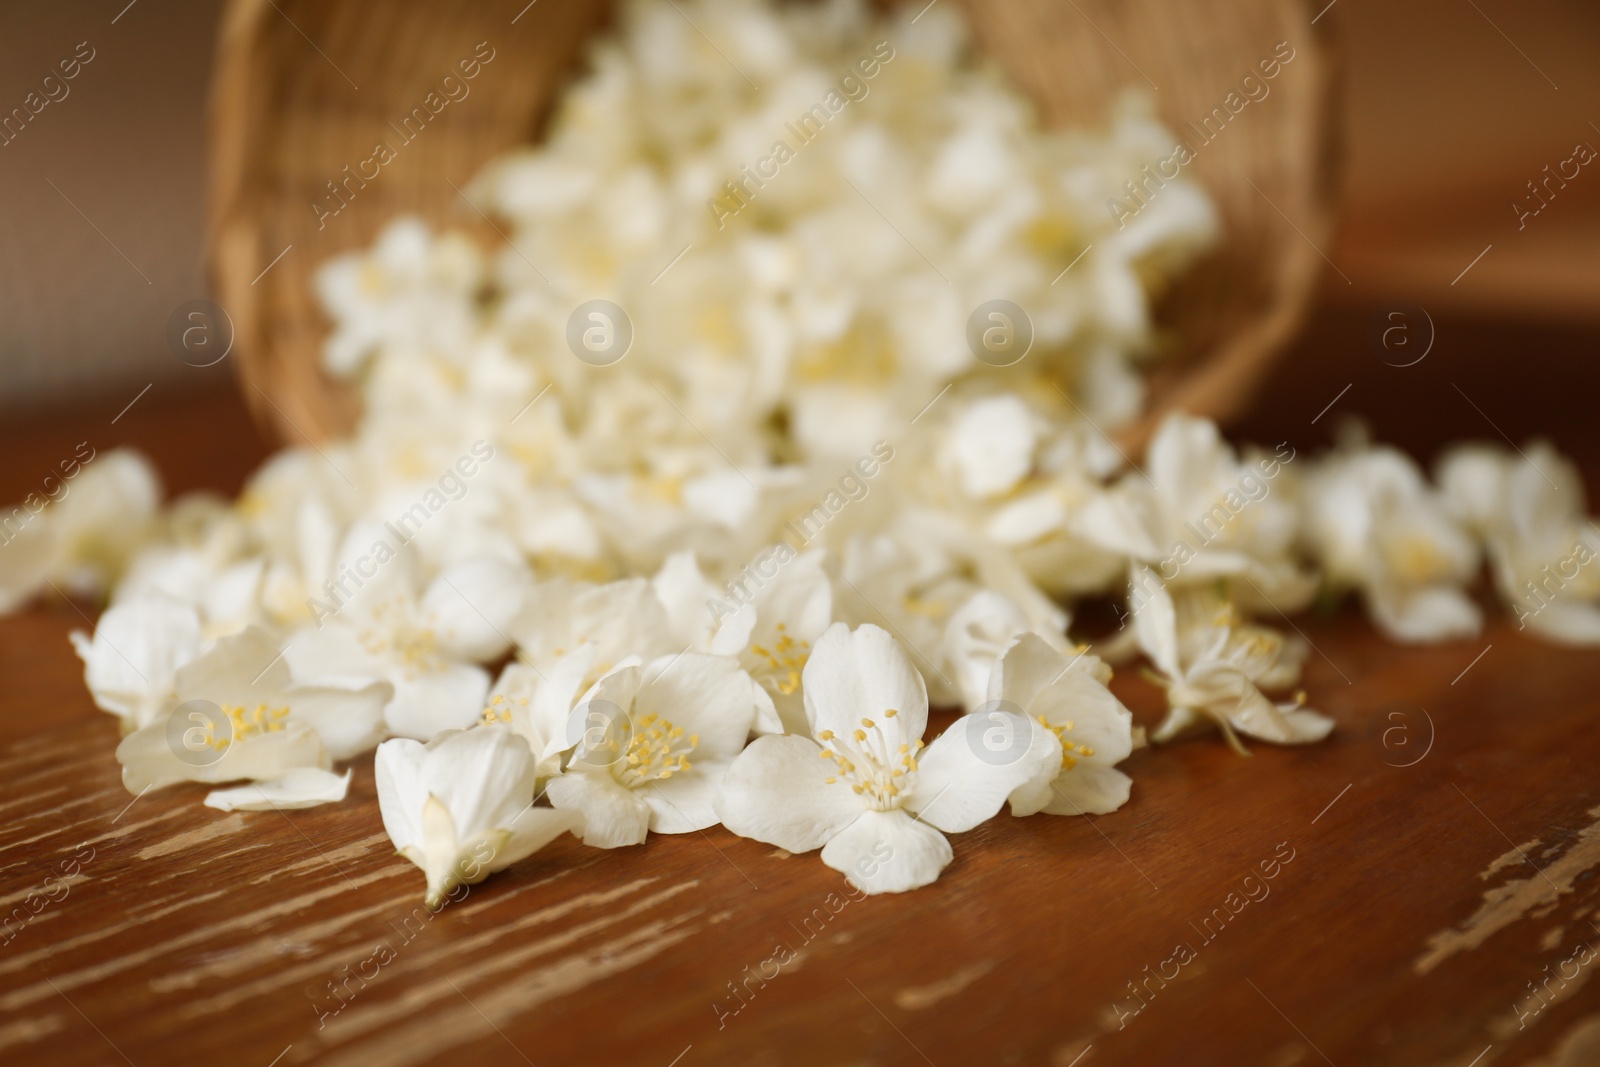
(679, 504)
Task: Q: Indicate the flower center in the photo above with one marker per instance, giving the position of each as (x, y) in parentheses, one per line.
(416, 647)
(499, 709)
(935, 609)
(866, 765)
(1070, 751)
(784, 662)
(245, 723)
(658, 749)
(1226, 615)
(1417, 559)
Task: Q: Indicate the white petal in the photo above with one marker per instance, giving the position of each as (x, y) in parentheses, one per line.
(303, 787)
(710, 696)
(1123, 521)
(974, 637)
(769, 719)
(1185, 455)
(687, 597)
(1178, 721)
(1029, 665)
(686, 801)
(1228, 693)
(888, 852)
(1155, 620)
(1088, 788)
(137, 648)
(471, 605)
(155, 755)
(484, 776)
(601, 724)
(1434, 613)
(620, 619)
(397, 767)
(1567, 624)
(427, 703)
(333, 651)
(613, 815)
(348, 718)
(230, 601)
(539, 704)
(776, 791)
(1032, 797)
(1028, 518)
(1305, 726)
(533, 829)
(968, 772)
(243, 669)
(991, 444)
(851, 676)
(800, 599)
(1065, 688)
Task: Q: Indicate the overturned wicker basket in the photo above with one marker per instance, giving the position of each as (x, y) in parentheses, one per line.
(304, 87)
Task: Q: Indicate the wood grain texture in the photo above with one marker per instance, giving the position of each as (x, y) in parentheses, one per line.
(1404, 927)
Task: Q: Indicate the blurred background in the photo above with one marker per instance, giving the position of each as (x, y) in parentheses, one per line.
(1450, 109)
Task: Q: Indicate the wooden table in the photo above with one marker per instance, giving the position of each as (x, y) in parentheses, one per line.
(1430, 865)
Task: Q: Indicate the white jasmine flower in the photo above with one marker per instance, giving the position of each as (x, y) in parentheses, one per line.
(603, 625)
(865, 791)
(978, 633)
(766, 616)
(911, 587)
(422, 641)
(1374, 523)
(1210, 674)
(1062, 525)
(303, 551)
(1529, 511)
(696, 614)
(1271, 659)
(1200, 512)
(461, 806)
(207, 564)
(104, 517)
(239, 714)
(79, 536)
(791, 614)
(657, 741)
(538, 706)
(990, 445)
(131, 661)
(1067, 695)
(226, 598)
(411, 290)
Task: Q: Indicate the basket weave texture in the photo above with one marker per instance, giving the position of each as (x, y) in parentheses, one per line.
(304, 88)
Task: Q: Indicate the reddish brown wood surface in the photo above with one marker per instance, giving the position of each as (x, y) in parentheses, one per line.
(195, 936)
